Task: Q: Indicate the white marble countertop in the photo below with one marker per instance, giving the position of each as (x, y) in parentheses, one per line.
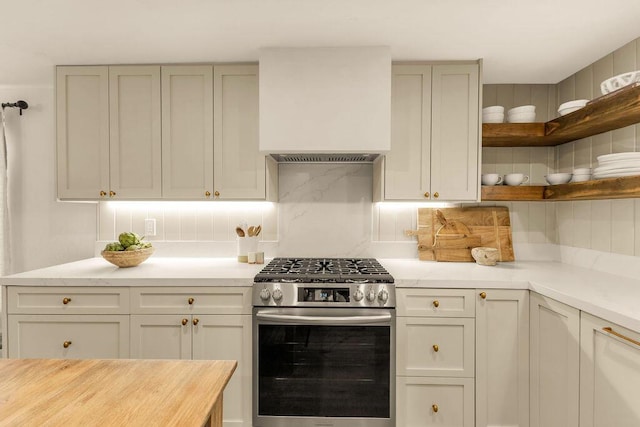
(609, 296)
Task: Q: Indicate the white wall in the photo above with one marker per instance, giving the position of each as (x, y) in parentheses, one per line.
(44, 232)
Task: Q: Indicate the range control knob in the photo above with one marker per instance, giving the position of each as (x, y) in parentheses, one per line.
(358, 295)
(383, 296)
(265, 294)
(277, 294)
(371, 295)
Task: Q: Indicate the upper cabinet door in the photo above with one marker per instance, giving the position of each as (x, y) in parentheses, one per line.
(455, 140)
(187, 132)
(134, 98)
(239, 168)
(82, 107)
(407, 165)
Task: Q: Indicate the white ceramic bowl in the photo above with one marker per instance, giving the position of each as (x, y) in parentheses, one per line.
(526, 117)
(558, 178)
(522, 109)
(571, 106)
(493, 109)
(581, 177)
(582, 171)
(619, 81)
(492, 117)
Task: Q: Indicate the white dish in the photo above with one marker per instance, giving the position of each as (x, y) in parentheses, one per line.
(571, 106)
(522, 109)
(607, 167)
(493, 109)
(492, 117)
(581, 177)
(619, 81)
(558, 178)
(626, 172)
(581, 171)
(606, 158)
(521, 118)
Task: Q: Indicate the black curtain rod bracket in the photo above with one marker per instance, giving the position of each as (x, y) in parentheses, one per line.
(22, 105)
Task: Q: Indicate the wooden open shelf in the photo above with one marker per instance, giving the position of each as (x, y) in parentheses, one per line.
(611, 188)
(612, 111)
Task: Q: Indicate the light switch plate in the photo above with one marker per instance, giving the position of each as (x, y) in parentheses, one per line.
(149, 227)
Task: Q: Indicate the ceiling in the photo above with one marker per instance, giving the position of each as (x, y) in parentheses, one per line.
(533, 41)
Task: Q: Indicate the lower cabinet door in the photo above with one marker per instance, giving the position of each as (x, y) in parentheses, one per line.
(161, 336)
(425, 401)
(228, 337)
(609, 374)
(68, 336)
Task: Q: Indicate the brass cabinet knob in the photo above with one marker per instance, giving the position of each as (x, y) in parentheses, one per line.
(103, 193)
(196, 321)
(112, 193)
(66, 344)
(216, 193)
(483, 295)
(426, 195)
(434, 407)
(436, 303)
(184, 322)
(191, 301)
(436, 195)
(436, 348)
(66, 300)
(207, 193)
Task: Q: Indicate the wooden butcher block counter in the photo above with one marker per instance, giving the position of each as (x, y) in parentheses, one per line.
(61, 392)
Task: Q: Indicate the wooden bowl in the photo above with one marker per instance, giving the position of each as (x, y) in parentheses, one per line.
(485, 255)
(127, 258)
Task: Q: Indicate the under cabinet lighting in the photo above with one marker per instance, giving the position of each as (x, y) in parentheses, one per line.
(414, 205)
(226, 206)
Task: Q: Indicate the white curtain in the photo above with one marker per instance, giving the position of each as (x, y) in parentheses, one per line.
(5, 235)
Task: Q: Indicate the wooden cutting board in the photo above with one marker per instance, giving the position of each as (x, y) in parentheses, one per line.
(456, 231)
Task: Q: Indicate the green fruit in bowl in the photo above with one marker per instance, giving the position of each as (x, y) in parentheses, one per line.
(128, 239)
(133, 248)
(115, 246)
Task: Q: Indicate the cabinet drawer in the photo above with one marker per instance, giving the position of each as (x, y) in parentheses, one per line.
(434, 402)
(435, 347)
(68, 336)
(177, 300)
(436, 302)
(67, 300)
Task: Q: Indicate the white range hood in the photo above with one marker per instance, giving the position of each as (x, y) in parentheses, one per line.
(328, 102)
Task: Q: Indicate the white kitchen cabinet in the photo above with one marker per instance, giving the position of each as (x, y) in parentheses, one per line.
(426, 402)
(555, 363)
(435, 357)
(198, 323)
(609, 374)
(67, 300)
(502, 358)
(68, 336)
(134, 132)
(187, 131)
(240, 171)
(434, 135)
(82, 131)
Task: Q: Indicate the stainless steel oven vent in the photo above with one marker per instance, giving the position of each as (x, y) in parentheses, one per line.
(325, 158)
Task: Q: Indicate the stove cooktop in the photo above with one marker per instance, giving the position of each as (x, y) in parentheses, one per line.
(324, 270)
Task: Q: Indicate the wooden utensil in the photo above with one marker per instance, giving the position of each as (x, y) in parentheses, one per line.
(257, 230)
(251, 231)
(239, 232)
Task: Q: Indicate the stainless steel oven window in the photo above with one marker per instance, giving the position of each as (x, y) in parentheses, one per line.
(333, 367)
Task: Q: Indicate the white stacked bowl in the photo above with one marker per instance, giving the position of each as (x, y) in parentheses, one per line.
(558, 178)
(493, 114)
(571, 106)
(522, 114)
(581, 175)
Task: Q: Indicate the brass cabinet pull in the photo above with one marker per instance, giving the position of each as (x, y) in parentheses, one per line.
(66, 300)
(436, 303)
(66, 344)
(426, 194)
(483, 295)
(112, 193)
(207, 193)
(436, 195)
(216, 193)
(436, 348)
(184, 322)
(434, 407)
(103, 193)
(195, 321)
(191, 301)
(619, 335)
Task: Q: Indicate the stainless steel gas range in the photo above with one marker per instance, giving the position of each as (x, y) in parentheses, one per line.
(324, 343)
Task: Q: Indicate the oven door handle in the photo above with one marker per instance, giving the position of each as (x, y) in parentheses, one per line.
(320, 320)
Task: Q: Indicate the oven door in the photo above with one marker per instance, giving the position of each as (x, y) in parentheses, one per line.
(323, 367)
